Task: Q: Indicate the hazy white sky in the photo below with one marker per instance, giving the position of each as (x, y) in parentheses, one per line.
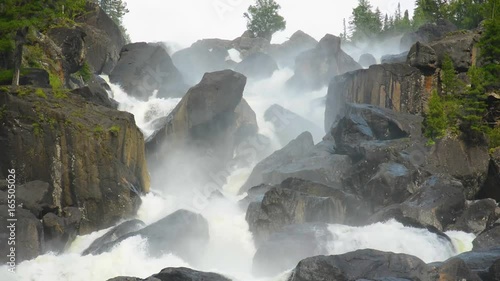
(185, 21)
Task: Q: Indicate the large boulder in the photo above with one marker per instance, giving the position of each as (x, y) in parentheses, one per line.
(316, 67)
(285, 248)
(438, 202)
(362, 264)
(202, 127)
(36, 77)
(490, 188)
(35, 196)
(60, 230)
(297, 201)
(456, 269)
(182, 233)
(468, 163)
(248, 44)
(71, 41)
(301, 159)
(488, 238)
(480, 261)
(146, 67)
(394, 86)
(288, 125)
(257, 66)
(394, 58)
(286, 52)
(366, 60)
(92, 156)
(478, 216)
(461, 48)
(203, 56)
(177, 274)
(103, 41)
(422, 56)
(427, 33)
(114, 234)
(26, 232)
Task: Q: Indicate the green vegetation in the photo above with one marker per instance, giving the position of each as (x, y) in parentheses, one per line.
(85, 72)
(6, 77)
(436, 121)
(263, 18)
(474, 107)
(490, 48)
(98, 130)
(494, 137)
(37, 129)
(116, 9)
(114, 129)
(34, 56)
(40, 93)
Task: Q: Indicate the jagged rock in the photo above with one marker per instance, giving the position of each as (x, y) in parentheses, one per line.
(422, 56)
(461, 48)
(478, 216)
(34, 77)
(257, 66)
(393, 86)
(394, 58)
(254, 194)
(362, 122)
(146, 67)
(286, 248)
(366, 60)
(202, 57)
(288, 125)
(427, 33)
(182, 233)
(465, 162)
(314, 68)
(438, 202)
(297, 201)
(393, 183)
(114, 234)
(103, 41)
(72, 44)
(248, 44)
(28, 235)
(368, 264)
(246, 122)
(488, 238)
(92, 156)
(203, 124)
(34, 196)
(177, 274)
(456, 269)
(490, 188)
(286, 52)
(94, 94)
(60, 231)
(479, 261)
(301, 159)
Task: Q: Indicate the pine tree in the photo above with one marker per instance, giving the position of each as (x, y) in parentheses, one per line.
(474, 106)
(490, 45)
(263, 18)
(365, 24)
(435, 120)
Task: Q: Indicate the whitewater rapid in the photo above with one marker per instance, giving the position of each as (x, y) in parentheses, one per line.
(231, 249)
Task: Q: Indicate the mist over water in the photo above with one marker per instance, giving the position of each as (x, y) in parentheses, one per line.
(230, 250)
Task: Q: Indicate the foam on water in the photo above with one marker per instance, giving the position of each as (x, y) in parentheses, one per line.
(231, 249)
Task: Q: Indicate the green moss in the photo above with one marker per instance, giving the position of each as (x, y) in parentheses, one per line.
(34, 56)
(60, 93)
(55, 81)
(98, 130)
(85, 72)
(114, 129)
(40, 93)
(6, 77)
(3, 112)
(37, 129)
(22, 92)
(494, 137)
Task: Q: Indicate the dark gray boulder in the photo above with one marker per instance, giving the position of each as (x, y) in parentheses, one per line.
(28, 235)
(477, 217)
(288, 125)
(297, 201)
(438, 202)
(60, 231)
(257, 66)
(72, 44)
(177, 274)
(182, 233)
(426, 33)
(114, 234)
(367, 264)
(394, 58)
(284, 249)
(36, 77)
(456, 269)
(146, 67)
(365, 60)
(316, 67)
(422, 56)
(480, 261)
(488, 238)
(490, 187)
(35, 197)
(286, 52)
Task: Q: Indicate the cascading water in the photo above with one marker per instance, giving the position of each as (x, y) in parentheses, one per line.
(231, 249)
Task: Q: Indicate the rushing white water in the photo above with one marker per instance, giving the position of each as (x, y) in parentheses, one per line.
(231, 249)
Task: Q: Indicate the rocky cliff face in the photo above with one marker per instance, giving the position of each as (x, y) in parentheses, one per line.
(91, 156)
